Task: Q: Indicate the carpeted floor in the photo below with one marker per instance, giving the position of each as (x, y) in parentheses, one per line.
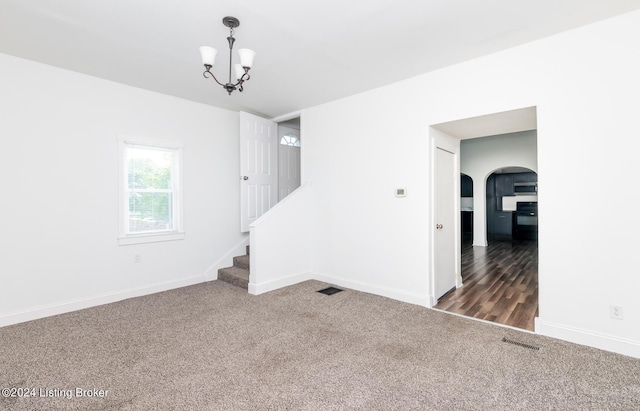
(214, 347)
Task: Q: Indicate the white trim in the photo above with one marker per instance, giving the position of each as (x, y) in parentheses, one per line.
(287, 116)
(69, 306)
(588, 338)
(440, 140)
(150, 238)
(125, 238)
(227, 259)
(431, 301)
(257, 289)
(150, 142)
(393, 293)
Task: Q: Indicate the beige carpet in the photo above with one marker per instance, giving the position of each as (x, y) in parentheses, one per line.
(214, 347)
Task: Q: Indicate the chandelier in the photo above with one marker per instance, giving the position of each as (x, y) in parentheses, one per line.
(241, 70)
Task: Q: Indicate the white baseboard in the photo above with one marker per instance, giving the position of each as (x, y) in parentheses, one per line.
(399, 295)
(588, 338)
(56, 309)
(257, 289)
(227, 259)
(432, 300)
(395, 294)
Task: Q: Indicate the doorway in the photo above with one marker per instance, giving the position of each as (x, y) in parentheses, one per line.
(261, 170)
(289, 143)
(487, 266)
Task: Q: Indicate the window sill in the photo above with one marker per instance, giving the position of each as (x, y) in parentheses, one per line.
(150, 238)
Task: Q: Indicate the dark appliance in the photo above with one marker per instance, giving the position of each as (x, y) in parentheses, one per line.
(530, 188)
(525, 220)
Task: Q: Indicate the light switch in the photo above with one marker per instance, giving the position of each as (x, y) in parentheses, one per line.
(401, 192)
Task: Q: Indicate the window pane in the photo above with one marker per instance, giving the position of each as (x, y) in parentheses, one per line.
(150, 211)
(149, 168)
(150, 188)
(290, 140)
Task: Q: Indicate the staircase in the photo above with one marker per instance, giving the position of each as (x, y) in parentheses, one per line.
(238, 274)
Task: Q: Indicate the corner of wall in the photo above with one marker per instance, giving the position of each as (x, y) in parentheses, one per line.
(588, 338)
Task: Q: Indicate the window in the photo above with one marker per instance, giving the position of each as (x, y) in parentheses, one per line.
(290, 140)
(151, 197)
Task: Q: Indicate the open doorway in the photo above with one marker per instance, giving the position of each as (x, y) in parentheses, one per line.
(289, 143)
(499, 270)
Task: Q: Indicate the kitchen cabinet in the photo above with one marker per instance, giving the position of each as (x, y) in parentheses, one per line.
(503, 223)
(529, 177)
(504, 185)
(466, 219)
(504, 182)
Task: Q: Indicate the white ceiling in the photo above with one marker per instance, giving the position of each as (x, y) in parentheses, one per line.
(308, 52)
(511, 121)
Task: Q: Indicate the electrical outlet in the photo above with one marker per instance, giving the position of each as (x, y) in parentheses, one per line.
(616, 311)
(137, 258)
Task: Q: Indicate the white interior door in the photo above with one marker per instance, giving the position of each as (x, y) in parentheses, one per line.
(288, 160)
(258, 167)
(445, 249)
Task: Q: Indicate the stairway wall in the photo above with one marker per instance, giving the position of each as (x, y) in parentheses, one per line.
(281, 243)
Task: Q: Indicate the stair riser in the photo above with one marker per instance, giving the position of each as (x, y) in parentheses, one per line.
(242, 262)
(238, 274)
(232, 279)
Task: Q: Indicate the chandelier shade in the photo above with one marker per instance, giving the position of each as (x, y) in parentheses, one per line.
(246, 57)
(208, 55)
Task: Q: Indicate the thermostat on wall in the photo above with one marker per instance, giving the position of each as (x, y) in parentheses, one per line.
(401, 192)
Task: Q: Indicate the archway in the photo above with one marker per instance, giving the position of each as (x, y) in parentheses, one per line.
(511, 204)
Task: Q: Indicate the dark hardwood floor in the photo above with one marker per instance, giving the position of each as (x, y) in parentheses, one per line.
(500, 283)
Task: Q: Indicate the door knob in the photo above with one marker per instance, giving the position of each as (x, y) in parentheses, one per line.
(245, 178)
(439, 226)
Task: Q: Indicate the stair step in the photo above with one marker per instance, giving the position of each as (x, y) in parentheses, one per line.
(242, 261)
(235, 275)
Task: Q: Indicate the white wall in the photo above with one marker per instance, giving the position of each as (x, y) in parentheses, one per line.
(59, 172)
(480, 157)
(282, 241)
(584, 84)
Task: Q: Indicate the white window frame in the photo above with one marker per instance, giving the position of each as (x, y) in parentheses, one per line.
(177, 233)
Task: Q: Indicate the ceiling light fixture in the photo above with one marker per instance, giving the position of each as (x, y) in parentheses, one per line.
(241, 70)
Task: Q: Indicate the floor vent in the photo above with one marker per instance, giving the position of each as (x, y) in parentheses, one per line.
(329, 290)
(531, 347)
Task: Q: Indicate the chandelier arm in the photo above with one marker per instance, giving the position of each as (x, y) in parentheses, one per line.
(241, 80)
(245, 77)
(208, 74)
